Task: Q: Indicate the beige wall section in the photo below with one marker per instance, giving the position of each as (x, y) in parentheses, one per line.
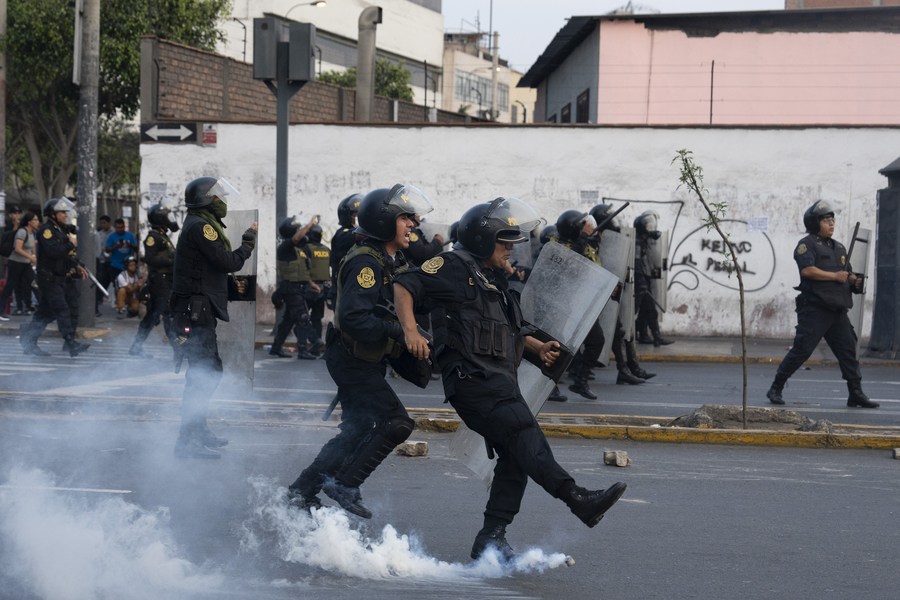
(767, 177)
(665, 77)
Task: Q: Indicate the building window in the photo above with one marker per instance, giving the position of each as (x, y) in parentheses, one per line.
(582, 109)
(476, 90)
(565, 115)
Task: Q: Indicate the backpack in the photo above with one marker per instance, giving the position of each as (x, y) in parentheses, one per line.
(7, 242)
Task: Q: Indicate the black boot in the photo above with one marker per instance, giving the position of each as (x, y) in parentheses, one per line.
(74, 348)
(279, 352)
(857, 397)
(644, 339)
(190, 445)
(590, 506)
(137, 346)
(209, 439)
(659, 340)
(556, 395)
(348, 497)
(626, 376)
(774, 393)
(298, 499)
(639, 372)
(580, 386)
(492, 537)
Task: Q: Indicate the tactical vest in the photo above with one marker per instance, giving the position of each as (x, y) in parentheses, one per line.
(163, 250)
(486, 330)
(296, 270)
(47, 234)
(384, 308)
(589, 251)
(831, 294)
(319, 262)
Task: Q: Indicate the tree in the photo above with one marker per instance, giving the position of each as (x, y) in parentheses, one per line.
(42, 101)
(391, 79)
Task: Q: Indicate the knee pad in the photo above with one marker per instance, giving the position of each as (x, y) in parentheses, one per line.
(398, 429)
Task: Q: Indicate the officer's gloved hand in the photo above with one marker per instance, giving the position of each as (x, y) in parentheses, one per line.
(249, 238)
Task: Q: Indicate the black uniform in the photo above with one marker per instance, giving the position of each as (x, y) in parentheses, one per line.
(56, 274)
(200, 292)
(373, 420)
(341, 242)
(159, 256)
(822, 310)
(421, 249)
(292, 265)
(484, 347)
(593, 344)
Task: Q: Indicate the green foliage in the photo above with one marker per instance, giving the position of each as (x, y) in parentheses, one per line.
(42, 101)
(391, 80)
(118, 156)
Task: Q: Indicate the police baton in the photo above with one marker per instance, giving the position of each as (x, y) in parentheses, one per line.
(609, 218)
(96, 283)
(852, 244)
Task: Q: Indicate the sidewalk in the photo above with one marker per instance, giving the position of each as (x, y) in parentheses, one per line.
(685, 349)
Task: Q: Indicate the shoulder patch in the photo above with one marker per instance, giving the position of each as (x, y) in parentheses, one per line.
(48, 234)
(801, 249)
(150, 241)
(210, 233)
(366, 277)
(413, 236)
(433, 265)
(843, 260)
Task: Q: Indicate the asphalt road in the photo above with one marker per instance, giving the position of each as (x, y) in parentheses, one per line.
(99, 508)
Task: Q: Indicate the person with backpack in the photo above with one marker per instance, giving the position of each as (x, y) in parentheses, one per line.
(19, 265)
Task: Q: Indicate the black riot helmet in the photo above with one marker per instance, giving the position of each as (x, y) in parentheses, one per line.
(500, 220)
(380, 209)
(600, 213)
(201, 191)
(454, 232)
(348, 207)
(55, 205)
(160, 216)
(647, 224)
(315, 234)
(549, 234)
(289, 226)
(570, 223)
(818, 211)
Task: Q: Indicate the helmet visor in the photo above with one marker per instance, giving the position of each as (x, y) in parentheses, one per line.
(222, 188)
(411, 200)
(518, 219)
(651, 221)
(63, 205)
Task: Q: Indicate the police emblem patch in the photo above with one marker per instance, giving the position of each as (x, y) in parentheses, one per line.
(366, 278)
(48, 234)
(150, 241)
(843, 260)
(413, 236)
(801, 249)
(432, 265)
(210, 233)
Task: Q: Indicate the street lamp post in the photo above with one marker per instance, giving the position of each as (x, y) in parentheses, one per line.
(474, 89)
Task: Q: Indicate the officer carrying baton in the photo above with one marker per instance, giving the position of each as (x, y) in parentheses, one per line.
(850, 253)
(105, 293)
(609, 218)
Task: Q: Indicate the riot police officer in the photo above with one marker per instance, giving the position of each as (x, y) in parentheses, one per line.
(574, 230)
(292, 265)
(826, 284)
(479, 364)
(629, 370)
(319, 256)
(365, 333)
(201, 287)
(57, 269)
(646, 230)
(420, 249)
(344, 238)
(159, 256)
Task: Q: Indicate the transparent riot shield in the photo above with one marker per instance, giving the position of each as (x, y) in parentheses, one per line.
(659, 286)
(564, 296)
(237, 336)
(615, 248)
(860, 263)
(430, 229)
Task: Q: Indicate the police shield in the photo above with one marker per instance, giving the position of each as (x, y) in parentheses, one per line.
(430, 229)
(237, 336)
(563, 297)
(859, 261)
(659, 282)
(615, 249)
(626, 300)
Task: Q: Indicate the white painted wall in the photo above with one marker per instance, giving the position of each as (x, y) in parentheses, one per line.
(768, 174)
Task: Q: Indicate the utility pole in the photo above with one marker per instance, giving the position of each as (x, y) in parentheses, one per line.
(87, 15)
(495, 57)
(3, 109)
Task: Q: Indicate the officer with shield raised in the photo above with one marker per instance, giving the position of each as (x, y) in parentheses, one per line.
(826, 284)
(201, 288)
(647, 268)
(487, 338)
(364, 336)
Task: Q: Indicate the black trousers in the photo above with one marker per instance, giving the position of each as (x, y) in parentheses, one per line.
(647, 317)
(158, 308)
(367, 401)
(19, 277)
(58, 297)
(813, 323)
(295, 316)
(494, 408)
(204, 372)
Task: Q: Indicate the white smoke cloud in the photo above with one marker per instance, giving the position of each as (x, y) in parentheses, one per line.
(328, 539)
(80, 546)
